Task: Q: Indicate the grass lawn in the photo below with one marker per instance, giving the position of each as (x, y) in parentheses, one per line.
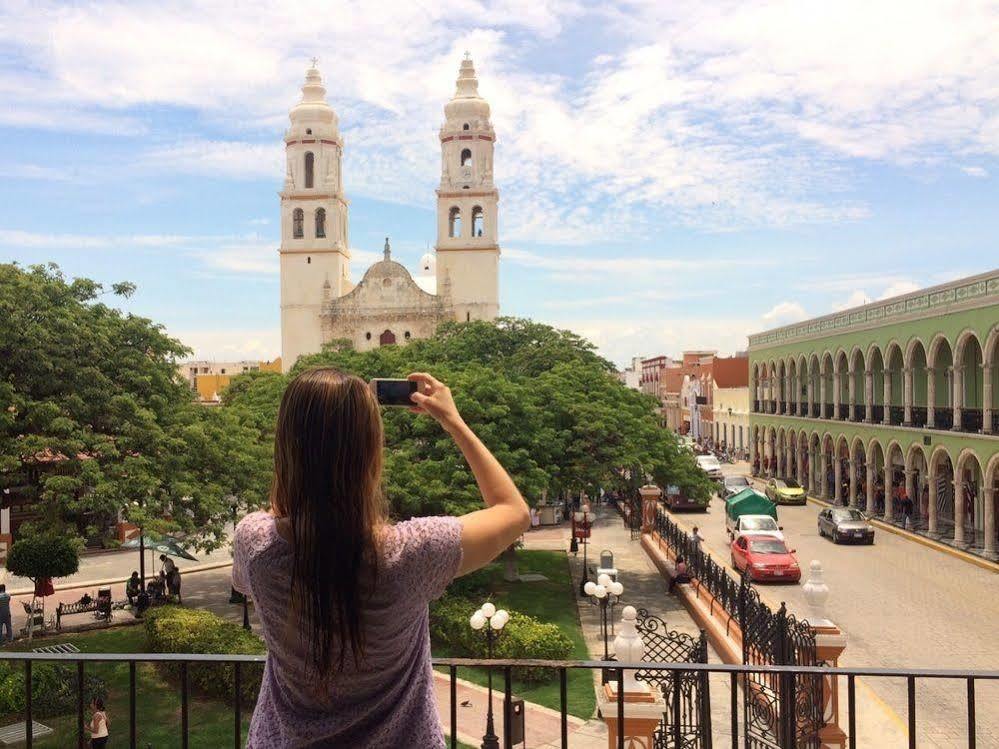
(552, 601)
(157, 707)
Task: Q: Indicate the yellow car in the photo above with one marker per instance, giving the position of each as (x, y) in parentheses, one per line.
(785, 492)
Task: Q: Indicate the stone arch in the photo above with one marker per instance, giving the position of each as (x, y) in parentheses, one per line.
(857, 383)
(917, 485)
(814, 373)
(827, 383)
(940, 395)
(942, 474)
(780, 390)
(916, 361)
(969, 524)
(874, 496)
(841, 369)
(969, 380)
(893, 383)
(791, 388)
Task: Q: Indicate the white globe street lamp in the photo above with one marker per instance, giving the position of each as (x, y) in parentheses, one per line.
(496, 619)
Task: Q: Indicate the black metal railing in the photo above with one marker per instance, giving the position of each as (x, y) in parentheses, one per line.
(816, 410)
(943, 417)
(877, 414)
(827, 411)
(919, 416)
(756, 406)
(773, 407)
(781, 407)
(995, 422)
(739, 675)
(971, 419)
(859, 410)
(896, 415)
(794, 409)
(843, 413)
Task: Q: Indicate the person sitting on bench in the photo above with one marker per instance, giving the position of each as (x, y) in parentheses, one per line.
(681, 577)
(132, 588)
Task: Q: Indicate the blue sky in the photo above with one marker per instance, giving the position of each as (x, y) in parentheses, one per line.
(672, 175)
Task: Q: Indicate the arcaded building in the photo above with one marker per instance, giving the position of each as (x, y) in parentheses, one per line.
(892, 407)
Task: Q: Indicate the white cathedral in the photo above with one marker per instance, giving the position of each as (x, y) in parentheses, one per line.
(459, 281)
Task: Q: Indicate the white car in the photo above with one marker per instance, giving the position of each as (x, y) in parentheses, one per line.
(710, 465)
(756, 525)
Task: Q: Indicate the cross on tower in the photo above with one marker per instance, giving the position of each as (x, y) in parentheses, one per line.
(315, 61)
(468, 55)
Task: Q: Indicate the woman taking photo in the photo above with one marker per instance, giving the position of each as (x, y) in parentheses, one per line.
(341, 592)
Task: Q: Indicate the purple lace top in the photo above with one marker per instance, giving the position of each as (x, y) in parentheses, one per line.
(388, 698)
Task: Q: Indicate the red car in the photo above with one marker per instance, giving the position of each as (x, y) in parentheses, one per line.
(766, 558)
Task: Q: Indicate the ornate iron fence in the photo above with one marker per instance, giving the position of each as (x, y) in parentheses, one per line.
(943, 417)
(918, 416)
(241, 664)
(778, 712)
(686, 722)
(971, 419)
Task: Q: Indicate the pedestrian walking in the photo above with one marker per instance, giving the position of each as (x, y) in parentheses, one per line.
(98, 726)
(6, 629)
(696, 538)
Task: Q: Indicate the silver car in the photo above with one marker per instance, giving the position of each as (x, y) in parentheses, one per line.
(732, 485)
(845, 525)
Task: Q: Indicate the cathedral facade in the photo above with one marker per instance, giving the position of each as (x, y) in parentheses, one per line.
(458, 281)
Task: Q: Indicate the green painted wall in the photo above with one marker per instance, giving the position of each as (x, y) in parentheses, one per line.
(984, 446)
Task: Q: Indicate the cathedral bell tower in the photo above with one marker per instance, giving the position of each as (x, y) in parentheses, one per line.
(467, 203)
(315, 259)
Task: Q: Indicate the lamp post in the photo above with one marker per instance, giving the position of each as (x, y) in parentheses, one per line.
(581, 530)
(490, 620)
(606, 594)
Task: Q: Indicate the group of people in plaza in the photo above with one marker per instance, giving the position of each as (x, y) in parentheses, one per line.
(163, 588)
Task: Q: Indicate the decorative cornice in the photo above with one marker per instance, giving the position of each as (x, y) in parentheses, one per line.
(966, 293)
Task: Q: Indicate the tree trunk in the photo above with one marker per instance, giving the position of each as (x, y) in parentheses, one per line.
(510, 573)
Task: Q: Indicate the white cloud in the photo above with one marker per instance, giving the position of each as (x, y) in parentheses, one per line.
(857, 298)
(784, 313)
(228, 344)
(586, 268)
(975, 171)
(899, 288)
(620, 340)
(743, 118)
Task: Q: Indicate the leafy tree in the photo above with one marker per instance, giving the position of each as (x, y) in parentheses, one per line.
(44, 556)
(542, 400)
(94, 419)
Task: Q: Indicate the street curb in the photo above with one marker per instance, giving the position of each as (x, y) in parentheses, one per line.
(929, 543)
(117, 580)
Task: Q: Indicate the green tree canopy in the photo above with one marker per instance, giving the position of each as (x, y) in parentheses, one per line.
(43, 556)
(95, 420)
(543, 401)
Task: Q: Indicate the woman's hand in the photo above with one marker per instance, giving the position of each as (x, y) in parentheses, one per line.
(434, 398)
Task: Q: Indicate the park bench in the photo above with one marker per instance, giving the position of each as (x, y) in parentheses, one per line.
(101, 608)
(17, 733)
(67, 648)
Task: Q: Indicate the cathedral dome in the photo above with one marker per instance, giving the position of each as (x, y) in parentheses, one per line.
(467, 105)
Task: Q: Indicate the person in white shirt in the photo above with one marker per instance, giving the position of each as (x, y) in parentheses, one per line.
(696, 537)
(98, 726)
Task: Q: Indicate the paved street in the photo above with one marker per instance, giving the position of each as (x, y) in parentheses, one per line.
(900, 605)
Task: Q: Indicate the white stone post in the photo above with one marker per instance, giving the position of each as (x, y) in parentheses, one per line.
(837, 388)
(886, 397)
(990, 522)
(629, 648)
(837, 479)
(851, 392)
(816, 592)
(907, 396)
(810, 387)
(931, 511)
(957, 392)
(870, 487)
(931, 397)
(852, 464)
(824, 473)
(987, 400)
(958, 511)
(822, 395)
(868, 396)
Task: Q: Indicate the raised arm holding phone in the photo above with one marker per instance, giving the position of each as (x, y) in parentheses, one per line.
(342, 593)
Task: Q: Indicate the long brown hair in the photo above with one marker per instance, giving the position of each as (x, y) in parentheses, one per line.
(327, 478)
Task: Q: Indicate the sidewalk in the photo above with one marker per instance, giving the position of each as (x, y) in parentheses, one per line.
(101, 569)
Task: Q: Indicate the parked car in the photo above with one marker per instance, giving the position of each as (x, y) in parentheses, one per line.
(732, 485)
(786, 492)
(765, 558)
(710, 465)
(758, 525)
(845, 524)
(676, 499)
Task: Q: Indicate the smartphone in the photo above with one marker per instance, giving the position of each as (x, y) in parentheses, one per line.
(394, 392)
